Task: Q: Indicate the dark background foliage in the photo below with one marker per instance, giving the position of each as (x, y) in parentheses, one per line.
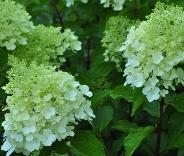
(124, 118)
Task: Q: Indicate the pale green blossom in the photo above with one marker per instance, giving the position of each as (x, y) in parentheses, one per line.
(115, 33)
(154, 51)
(15, 24)
(47, 45)
(43, 105)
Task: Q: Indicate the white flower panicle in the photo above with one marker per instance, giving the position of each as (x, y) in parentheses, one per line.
(15, 23)
(115, 33)
(116, 4)
(43, 105)
(154, 51)
(46, 44)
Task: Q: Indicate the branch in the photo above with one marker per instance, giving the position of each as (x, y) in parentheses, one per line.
(88, 59)
(58, 14)
(159, 128)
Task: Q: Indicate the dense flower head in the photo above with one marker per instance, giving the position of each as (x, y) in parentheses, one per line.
(154, 51)
(115, 33)
(43, 105)
(46, 44)
(15, 24)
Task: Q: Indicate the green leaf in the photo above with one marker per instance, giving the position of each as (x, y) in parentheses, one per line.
(87, 144)
(152, 109)
(124, 92)
(177, 102)
(176, 141)
(138, 100)
(98, 97)
(103, 117)
(124, 125)
(100, 71)
(175, 123)
(134, 139)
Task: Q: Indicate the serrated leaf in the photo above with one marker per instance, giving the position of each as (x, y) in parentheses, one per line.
(134, 139)
(124, 125)
(103, 117)
(87, 144)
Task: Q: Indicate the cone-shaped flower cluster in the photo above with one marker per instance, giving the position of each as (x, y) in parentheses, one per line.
(15, 24)
(46, 44)
(154, 51)
(43, 105)
(115, 33)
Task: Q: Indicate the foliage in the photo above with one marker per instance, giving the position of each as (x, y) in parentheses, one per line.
(45, 109)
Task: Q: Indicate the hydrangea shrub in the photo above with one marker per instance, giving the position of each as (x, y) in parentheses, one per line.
(154, 51)
(43, 105)
(47, 105)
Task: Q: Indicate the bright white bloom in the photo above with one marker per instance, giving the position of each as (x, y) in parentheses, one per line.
(154, 52)
(14, 25)
(43, 106)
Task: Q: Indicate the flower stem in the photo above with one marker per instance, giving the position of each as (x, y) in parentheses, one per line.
(159, 128)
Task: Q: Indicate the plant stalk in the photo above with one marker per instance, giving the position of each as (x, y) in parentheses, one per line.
(57, 13)
(159, 128)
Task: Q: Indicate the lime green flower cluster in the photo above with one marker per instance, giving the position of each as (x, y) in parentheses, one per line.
(15, 24)
(154, 52)
(44, 106)
(45, 44)
(115, 33)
